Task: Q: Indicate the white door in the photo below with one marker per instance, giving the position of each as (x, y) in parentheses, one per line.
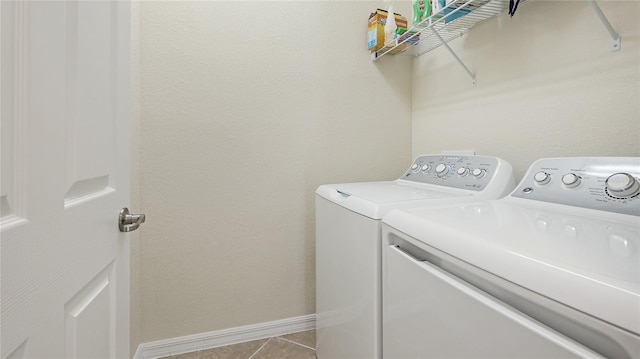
(65, 107)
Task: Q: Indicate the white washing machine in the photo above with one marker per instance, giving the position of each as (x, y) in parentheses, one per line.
(348, 242)
(550, 271)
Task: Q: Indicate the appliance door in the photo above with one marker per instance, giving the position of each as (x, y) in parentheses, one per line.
(429, 313)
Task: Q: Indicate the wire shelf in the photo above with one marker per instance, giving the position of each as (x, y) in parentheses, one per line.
(447, 24)
(458, 18)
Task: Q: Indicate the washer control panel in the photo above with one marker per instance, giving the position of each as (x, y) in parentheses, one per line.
(603, 183)
(465, 172)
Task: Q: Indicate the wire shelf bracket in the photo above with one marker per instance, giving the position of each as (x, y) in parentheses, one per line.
(453, 53)
(615, 38)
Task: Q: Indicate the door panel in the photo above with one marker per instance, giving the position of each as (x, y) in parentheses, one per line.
(65, 142)
(90, 88)
(88, 330)
(11, 133)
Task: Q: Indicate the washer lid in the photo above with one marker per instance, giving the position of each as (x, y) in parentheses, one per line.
(374, 199)
(588, 260)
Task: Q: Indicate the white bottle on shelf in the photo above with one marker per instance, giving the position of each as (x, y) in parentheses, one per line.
(436, 6)
(390, 27)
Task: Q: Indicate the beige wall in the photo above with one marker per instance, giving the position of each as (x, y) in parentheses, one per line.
(548, 86)
(244, 108)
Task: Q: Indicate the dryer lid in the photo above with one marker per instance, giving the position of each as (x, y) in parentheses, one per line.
(375, 199)
(391, 191)
(588, 260)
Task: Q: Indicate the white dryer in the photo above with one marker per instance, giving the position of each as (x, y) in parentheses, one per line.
(348, 242)
(551, 271)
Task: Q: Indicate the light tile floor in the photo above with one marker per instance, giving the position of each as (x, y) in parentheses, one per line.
(291, 346)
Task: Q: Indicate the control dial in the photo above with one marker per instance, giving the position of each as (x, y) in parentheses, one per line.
(542, 177)
(622, 185)
(571, 180)
(442, 170)
(478, 173)
(425, 168)
(415, 167)
(463, 171)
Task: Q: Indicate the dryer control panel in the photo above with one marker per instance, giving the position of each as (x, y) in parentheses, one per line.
(604, 183)
(459, 171)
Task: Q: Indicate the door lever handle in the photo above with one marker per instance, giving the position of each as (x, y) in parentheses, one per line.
(129, 222)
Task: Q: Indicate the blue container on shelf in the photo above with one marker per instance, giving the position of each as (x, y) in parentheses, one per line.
(448, 12)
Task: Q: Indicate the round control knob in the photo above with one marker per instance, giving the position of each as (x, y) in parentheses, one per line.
(542, 177)
(442, 170)
(622, 185)
(462, 171)
(415, 167)
(478, 173)
(425, 168)
(571, 180)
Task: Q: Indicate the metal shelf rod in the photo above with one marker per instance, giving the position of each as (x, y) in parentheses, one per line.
(615, 38)
(453, 53)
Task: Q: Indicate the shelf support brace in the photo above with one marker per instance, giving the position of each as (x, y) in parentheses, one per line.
(615, 38)
(473, 76)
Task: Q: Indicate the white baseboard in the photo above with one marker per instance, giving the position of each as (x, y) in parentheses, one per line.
(218, 338)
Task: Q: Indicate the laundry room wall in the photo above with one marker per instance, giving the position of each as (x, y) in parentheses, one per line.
(241, 110)
(547, 86)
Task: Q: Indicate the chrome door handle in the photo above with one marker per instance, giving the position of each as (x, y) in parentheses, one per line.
(129, 222)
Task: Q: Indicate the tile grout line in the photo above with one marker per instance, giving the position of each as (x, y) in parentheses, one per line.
(302, 345)
(259, 349)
